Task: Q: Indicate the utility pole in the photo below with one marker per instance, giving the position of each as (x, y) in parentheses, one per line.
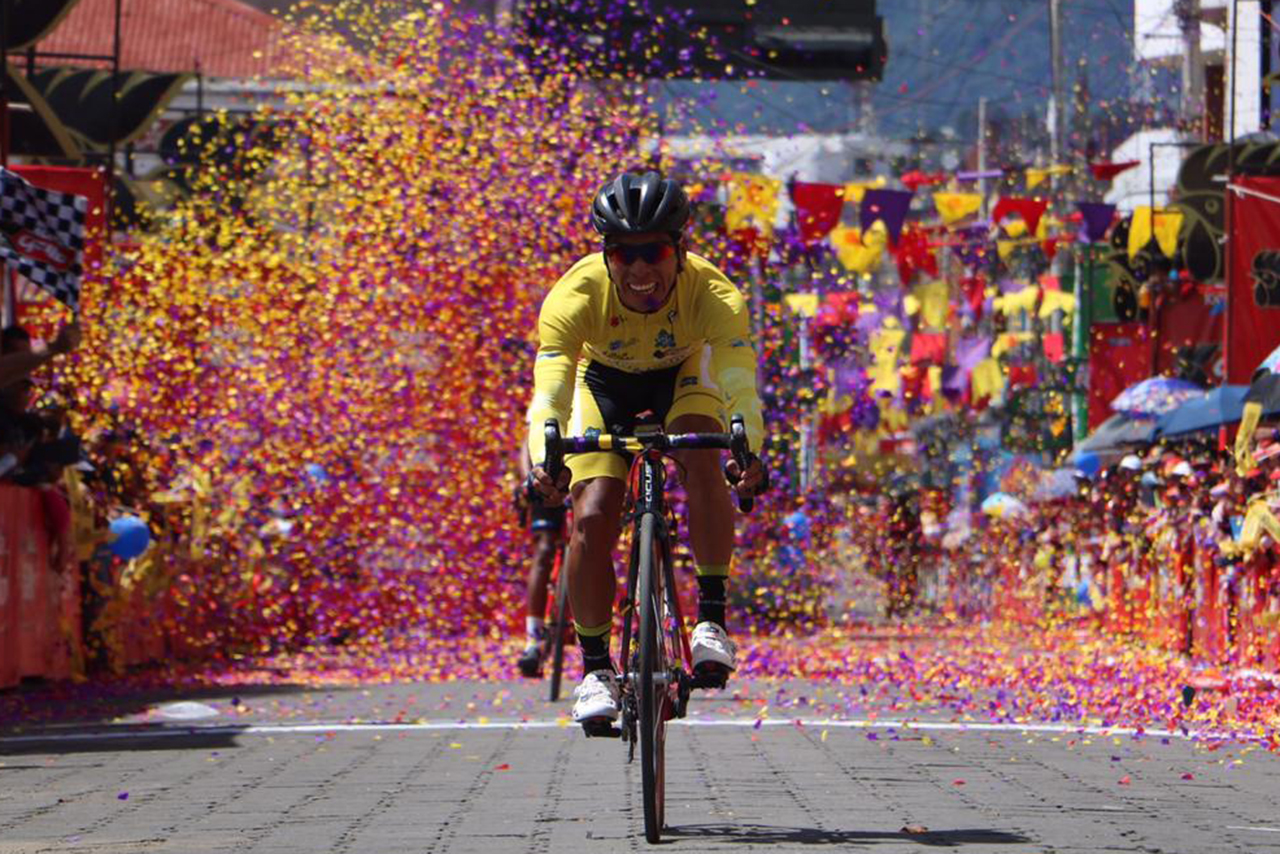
(1192, 107)
(982, 153)
(1055, 55)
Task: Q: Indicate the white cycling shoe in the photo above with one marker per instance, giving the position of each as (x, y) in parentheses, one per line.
(598, 697)
(710, 645)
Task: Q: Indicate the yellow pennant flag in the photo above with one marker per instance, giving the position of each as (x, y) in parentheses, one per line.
(1037, 175)
(1249, 419)
(805, 305)
(855, 190)
(987, 379)
(1057, 301)
(1168, 222)
(753, 202)
(1258, 520)
(859, 253)
(933, 301)
(953, 207)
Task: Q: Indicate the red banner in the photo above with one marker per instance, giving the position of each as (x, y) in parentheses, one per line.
(1253, 277)
(1119, 356)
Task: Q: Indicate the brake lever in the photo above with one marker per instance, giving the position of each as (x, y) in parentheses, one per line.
(553, 453)
(742, 456)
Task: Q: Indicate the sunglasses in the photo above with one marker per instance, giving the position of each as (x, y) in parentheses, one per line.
(623, 254)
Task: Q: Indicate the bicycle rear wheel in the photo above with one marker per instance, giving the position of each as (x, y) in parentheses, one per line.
(653, 696)
(559, 625)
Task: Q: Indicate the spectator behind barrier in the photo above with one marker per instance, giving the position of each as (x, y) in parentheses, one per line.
(34, 447)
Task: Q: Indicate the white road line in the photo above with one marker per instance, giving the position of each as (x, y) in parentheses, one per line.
(1259, 829)
(125, 731)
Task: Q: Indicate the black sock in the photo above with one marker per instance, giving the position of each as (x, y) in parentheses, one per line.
(595, 653)
(711, 599)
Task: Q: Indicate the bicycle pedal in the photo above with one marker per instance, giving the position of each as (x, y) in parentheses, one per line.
(711, 676)
(601, 728)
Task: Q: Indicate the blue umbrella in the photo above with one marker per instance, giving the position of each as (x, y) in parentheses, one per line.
(1222, 405)
(1155, 396)
(1115, 437)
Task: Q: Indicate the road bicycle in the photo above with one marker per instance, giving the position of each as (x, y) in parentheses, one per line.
(657, 674)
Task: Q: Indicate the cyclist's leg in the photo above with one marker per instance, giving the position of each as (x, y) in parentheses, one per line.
(545, 538)
(546, 529)
(698, 406)
(597, 508)
(598, 489)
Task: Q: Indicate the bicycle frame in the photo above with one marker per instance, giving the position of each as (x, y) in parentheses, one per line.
(645, 495)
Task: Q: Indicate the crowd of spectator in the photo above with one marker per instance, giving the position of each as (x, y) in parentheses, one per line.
(80, 483)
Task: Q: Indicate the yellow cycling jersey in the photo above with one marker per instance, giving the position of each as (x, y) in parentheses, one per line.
(582, 317)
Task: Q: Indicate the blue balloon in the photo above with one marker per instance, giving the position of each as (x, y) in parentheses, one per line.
(1088, 463)
(130, 537)
(316, 473)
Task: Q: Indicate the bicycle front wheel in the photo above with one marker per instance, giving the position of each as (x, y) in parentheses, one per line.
(559, 626)
(652, 674)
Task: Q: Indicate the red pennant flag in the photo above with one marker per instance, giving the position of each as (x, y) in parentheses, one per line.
(817, 209)
(1029, 209)
(913, 253)
(1107, 171)
(915, 179)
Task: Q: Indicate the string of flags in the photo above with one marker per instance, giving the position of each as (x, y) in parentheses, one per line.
(882, 214)
(914, 358)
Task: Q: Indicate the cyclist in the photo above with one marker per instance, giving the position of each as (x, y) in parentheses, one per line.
(659, 330)
(546, 524)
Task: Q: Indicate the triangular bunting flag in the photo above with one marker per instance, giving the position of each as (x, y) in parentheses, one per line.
(817, 209)
(1108, 171)
(953, 207)
(1029, 209)
(888, 206)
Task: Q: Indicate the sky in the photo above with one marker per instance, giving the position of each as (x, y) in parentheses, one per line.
(943, 56)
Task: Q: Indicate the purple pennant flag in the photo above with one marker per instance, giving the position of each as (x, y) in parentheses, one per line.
(888, 205)
(971, 351)
(867, 323)
(972, 244)
(1097, 219)
(889, 302)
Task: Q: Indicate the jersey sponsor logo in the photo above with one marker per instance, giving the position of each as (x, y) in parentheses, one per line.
(549, 354)
(618, 344)
(665, 340)
(688, 381)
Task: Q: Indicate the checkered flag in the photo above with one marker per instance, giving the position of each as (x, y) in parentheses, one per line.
(42, 236)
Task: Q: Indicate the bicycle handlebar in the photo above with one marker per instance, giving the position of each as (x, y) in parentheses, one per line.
(735, 441)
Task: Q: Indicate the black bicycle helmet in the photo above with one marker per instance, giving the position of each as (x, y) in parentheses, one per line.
(636, 204)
